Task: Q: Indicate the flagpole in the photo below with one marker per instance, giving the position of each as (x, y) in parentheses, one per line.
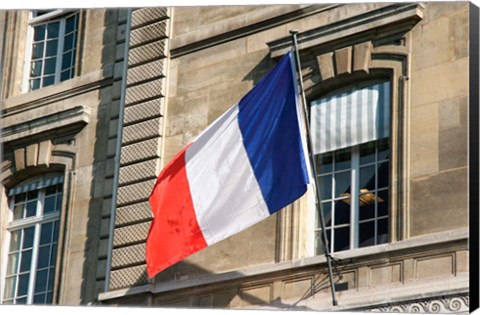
(313, 167)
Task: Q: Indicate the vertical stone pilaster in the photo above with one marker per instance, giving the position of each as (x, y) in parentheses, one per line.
(140, 144)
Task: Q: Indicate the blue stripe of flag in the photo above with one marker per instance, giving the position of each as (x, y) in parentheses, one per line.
(271, 136)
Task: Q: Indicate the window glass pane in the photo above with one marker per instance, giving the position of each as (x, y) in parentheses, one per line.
(70, 24)
(59, 202)
(52, 30)
(53, 255)
(39, 33)
(327, 213)
(342, 184)
(15, 240)
(50, 190)
(21, 301)
(26, 260)
(65, 75)
(43, 256)
(9, 287)
(68, 44)
(367, 178)
(382, 231)
(37, 50)
(367, 152)
(34, 84)
(36, 69)
(383, 202)
(39, 298)
(18, 211)
(28, 237)
(367, 206)
(55, 231)
(49, 298)
(51, 276)
(319, 248)
(52, 46)
(32, 195)
(41, 281)
(326, 186)
(341, 239)
(23, 284)
(12, 263)
(46, 233)
(342, 212)
(324, 161)
(50, 65)
(48, 80)
(383, 175)
(383, 149)
(67, 60)
(20, 197)
(49, 205)
(366, 234)
(31, 208)
(342, 159)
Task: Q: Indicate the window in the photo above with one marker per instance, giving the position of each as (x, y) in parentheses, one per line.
(350, 131)
(33, 231)
(53, 49)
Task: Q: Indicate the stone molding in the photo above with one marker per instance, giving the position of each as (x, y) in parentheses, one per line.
(53, 120)
(446, 304)
(58, 92)
(457, 240)
(401, 16)
(210, 36)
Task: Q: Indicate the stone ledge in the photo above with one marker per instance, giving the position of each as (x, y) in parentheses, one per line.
(427, 240)
(389, 15)
(17, 128)
(58, 92)
(241, 26)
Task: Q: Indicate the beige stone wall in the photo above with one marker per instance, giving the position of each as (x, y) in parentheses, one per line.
(217, 54)
(68, 127)
(437, 165)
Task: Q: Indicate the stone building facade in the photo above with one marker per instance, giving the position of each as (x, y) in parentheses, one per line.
(146, 81)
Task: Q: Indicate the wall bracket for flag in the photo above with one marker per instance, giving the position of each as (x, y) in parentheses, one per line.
(313, 167)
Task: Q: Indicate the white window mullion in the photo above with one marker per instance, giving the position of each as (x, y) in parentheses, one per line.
(31, 285)
(354, 210)
(61, 39)
(36, 242)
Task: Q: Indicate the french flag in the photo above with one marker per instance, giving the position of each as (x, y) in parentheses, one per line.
(248, 164)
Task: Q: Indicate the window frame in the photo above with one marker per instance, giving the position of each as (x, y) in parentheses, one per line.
(354, 219)
(314, 236)
(60, 15)
(35, 221)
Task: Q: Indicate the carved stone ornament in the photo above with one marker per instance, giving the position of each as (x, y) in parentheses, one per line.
(452, 304)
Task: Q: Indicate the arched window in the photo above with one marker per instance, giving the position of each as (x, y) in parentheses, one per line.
(350, 132)
(33, 228)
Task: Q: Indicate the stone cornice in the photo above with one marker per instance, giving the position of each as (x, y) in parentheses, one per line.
(404, 15)
(413, 245)
(69, 118)
(202, 39)
(56, 93)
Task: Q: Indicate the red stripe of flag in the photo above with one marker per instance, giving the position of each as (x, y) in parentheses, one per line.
(174, 233)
